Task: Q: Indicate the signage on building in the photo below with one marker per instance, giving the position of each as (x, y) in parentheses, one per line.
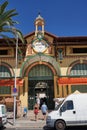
(15, 92)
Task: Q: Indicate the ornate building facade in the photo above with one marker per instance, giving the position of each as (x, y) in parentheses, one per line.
(48, 66)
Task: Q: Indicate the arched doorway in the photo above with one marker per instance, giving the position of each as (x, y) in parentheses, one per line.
(41, 81)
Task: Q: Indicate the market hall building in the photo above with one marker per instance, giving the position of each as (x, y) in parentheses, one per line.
(49, 66)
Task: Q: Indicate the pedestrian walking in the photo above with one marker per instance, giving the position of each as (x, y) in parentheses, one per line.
(25, 112)
(38, 100)
(36, 110)
(44, 110)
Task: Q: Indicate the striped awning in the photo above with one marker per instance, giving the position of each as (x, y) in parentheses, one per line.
(11, 82)
(66, 80)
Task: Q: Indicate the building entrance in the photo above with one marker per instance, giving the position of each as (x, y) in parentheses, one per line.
(42, 88)
(41, 82)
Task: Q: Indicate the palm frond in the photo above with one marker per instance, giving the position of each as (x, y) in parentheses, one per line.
(10, 13)
(3, 7)
(20, 35)
(6, 29)
(7, 23)
(6, 16)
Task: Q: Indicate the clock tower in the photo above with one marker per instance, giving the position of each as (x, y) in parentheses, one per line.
(39, 25)
(39, 44)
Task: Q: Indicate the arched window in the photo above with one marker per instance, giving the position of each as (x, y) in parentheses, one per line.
(79, 69)
(40, 70)
(4, 71)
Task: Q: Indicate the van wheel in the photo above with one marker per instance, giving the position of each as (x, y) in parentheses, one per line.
(60, 125)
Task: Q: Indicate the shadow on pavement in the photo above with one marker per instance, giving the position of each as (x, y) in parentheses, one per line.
(47, 128)
(77, 128)
(68, 128)
(11, 123)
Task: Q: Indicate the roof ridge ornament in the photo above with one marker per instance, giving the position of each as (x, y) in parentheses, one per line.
(39, 16)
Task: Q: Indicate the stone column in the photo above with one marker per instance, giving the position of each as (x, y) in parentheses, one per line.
(55, 86)
(69, 89)
(24, 94)
(60, 90)
(64, 90)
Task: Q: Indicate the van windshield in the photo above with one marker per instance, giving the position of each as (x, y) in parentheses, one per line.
(57, 107)
(3, 109)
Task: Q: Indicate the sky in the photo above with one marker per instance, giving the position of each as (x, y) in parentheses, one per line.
(62, 17)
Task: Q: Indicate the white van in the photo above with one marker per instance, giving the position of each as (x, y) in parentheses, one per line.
(71, 112)
(3, 115)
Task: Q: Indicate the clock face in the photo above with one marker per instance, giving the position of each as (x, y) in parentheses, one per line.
(39, 46)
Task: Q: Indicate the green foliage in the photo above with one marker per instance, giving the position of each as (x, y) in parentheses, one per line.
(7, 23)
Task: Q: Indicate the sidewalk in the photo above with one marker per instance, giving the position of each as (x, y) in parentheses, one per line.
(27, 122)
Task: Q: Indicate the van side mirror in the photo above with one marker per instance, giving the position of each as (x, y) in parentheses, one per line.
(63, 108)
(60, 111)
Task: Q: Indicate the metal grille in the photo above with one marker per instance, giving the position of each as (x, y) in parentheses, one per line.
(5, 90)
(79, 69)
(4, 71)
(40, 70)
(81, 88)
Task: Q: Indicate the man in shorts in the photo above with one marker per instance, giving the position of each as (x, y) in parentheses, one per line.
(44, 110)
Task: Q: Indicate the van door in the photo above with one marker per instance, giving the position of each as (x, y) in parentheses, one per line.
(67, 112)
(81, 109)
(3, 114)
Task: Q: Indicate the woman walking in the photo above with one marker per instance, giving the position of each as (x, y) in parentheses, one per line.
(36, 110)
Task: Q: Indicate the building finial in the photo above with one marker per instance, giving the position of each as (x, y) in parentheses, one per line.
(38, 13)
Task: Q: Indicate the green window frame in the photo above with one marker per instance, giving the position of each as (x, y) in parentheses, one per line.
(5, 90)
(40, 70)
(4, 71)
(79, 69)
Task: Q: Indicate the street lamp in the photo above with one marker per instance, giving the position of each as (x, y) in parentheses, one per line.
(15, 82)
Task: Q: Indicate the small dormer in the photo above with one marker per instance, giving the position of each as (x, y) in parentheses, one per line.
(39, 25)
